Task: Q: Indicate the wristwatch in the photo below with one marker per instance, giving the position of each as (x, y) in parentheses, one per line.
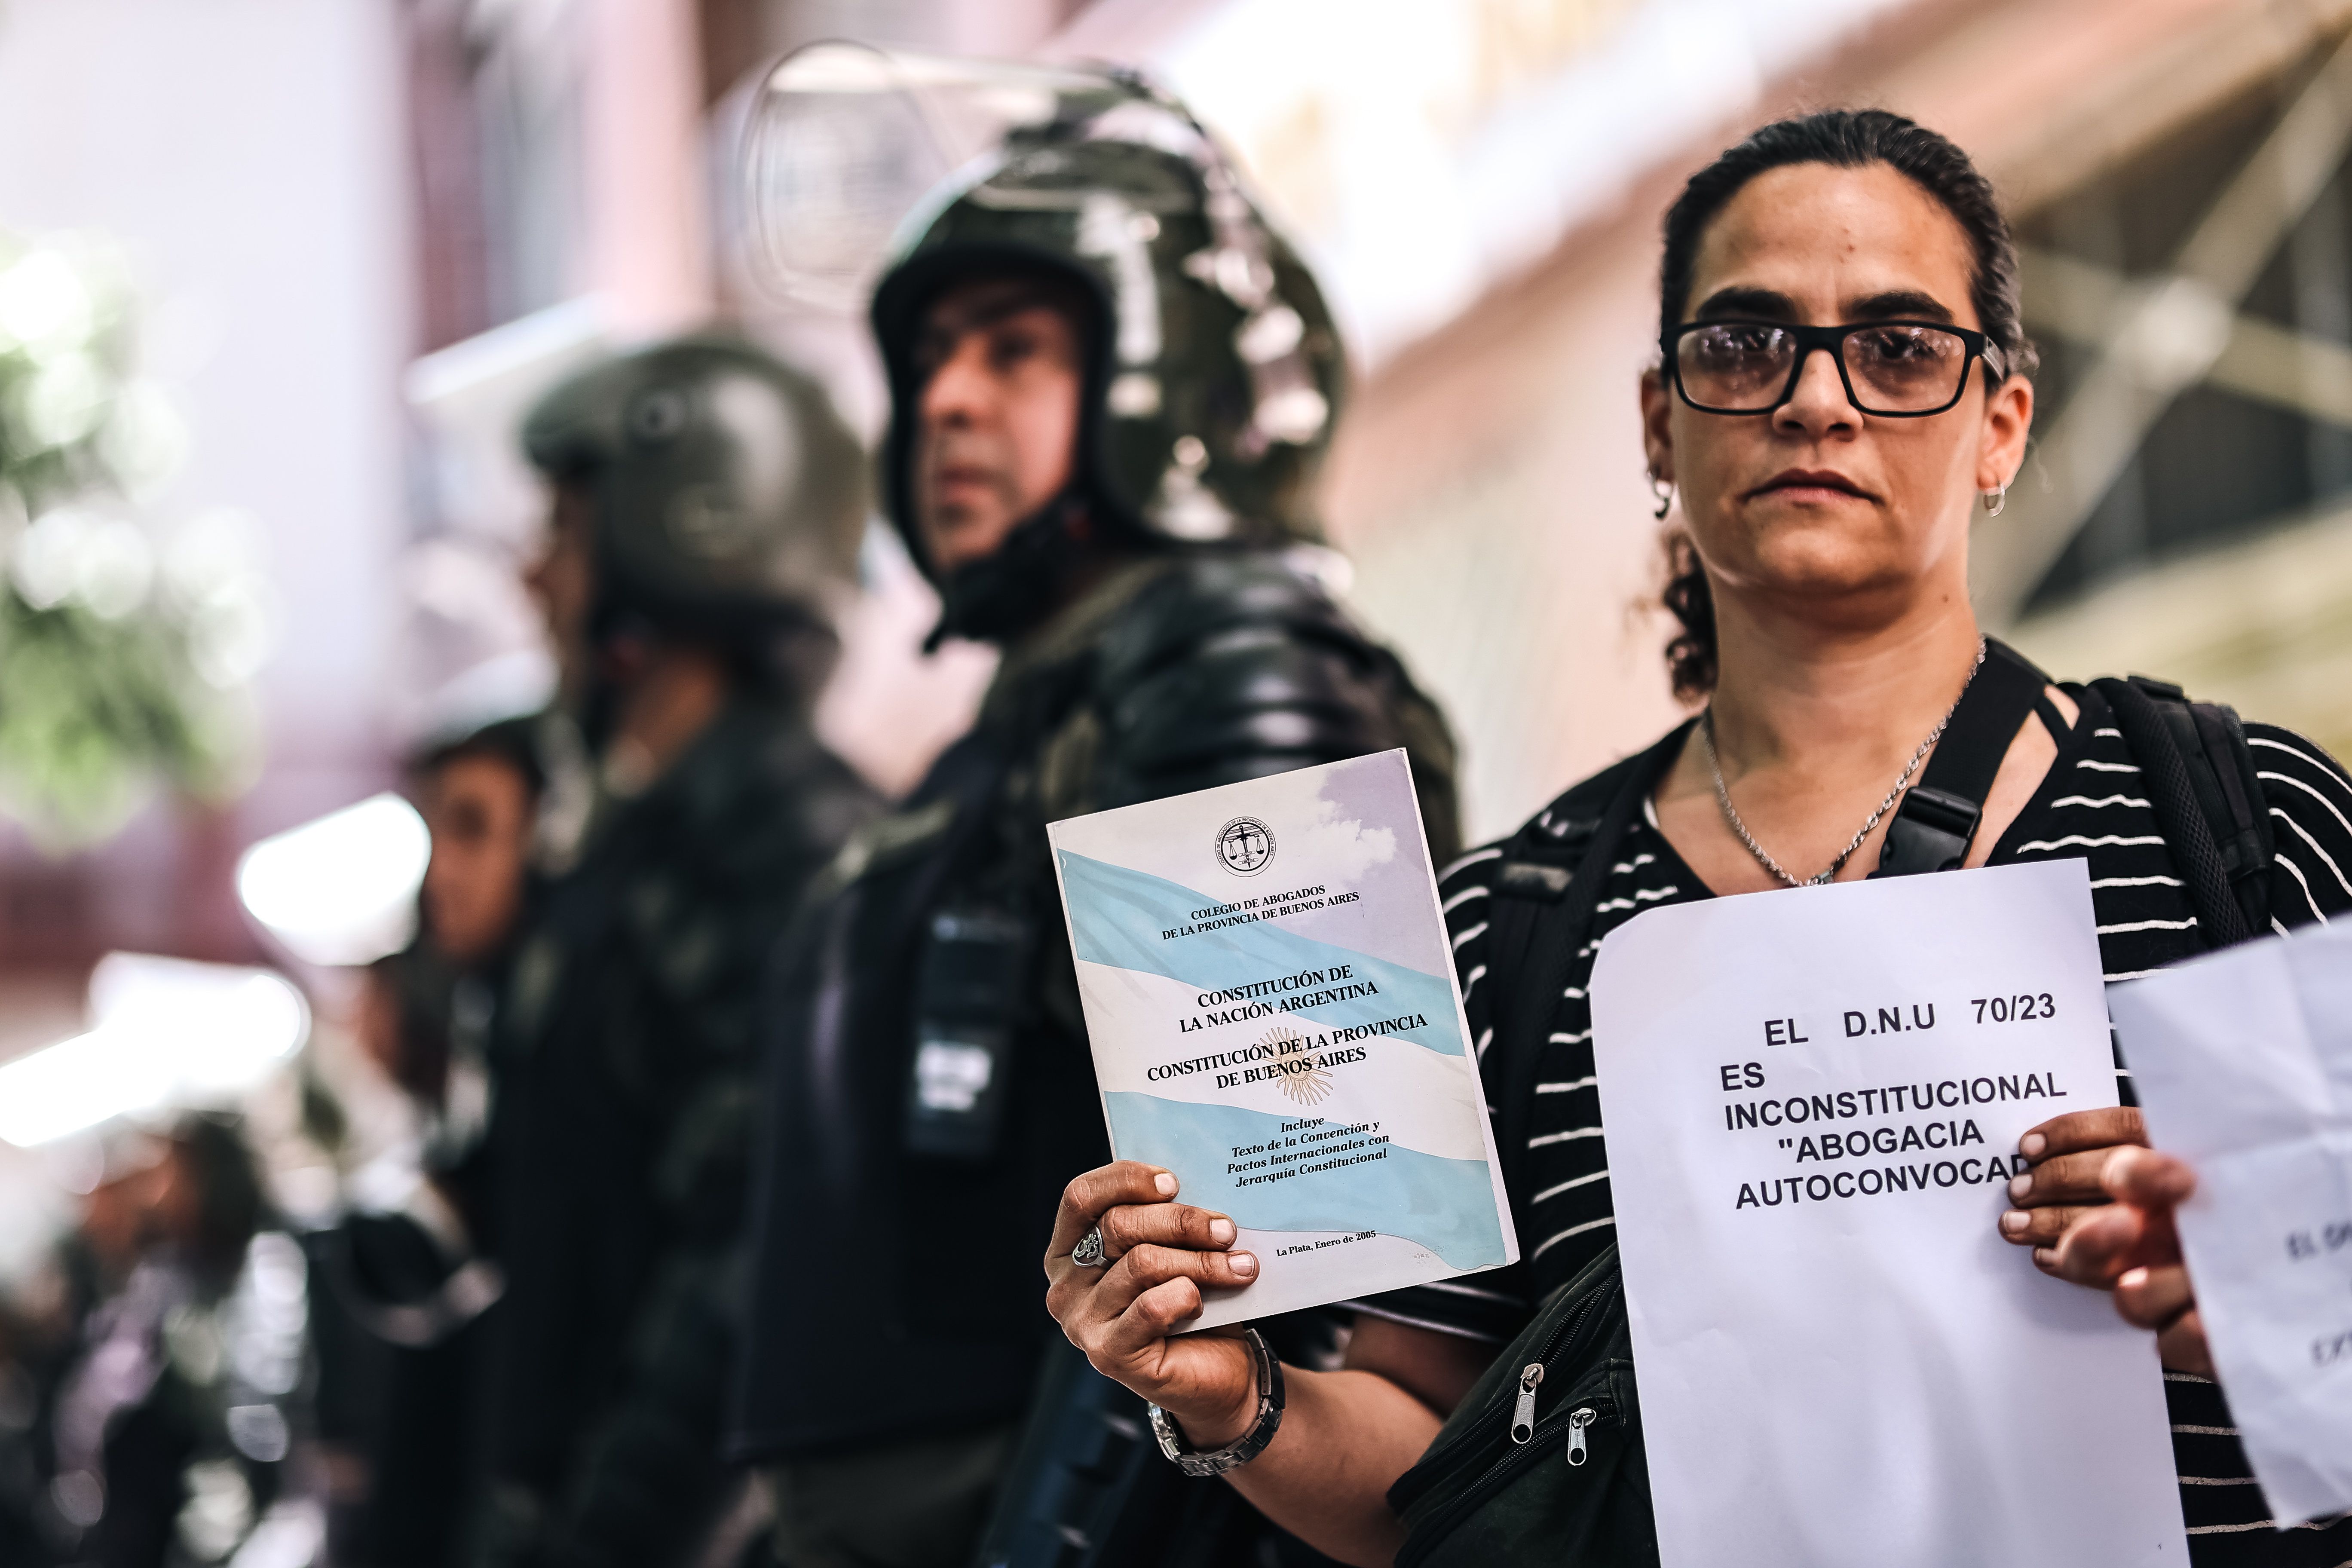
(1242, 1450)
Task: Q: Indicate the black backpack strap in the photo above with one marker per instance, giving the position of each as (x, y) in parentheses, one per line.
(1932, 829)
(1545, 892)
(2057, 723)
(2200, 775)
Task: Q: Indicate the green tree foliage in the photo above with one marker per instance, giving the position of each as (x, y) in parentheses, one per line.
(123, 655)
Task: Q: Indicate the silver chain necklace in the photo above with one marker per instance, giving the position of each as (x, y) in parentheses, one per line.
(1731, 813)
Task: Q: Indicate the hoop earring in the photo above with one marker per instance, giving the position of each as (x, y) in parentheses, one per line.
(1664, 491)
(1996, 498)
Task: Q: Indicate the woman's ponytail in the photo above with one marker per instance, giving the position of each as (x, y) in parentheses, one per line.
(1690, 655)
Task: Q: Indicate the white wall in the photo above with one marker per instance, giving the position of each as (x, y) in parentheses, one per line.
(249, 154)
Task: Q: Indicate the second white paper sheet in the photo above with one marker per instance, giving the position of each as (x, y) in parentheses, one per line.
(1812, 1100)
(2244, 1062)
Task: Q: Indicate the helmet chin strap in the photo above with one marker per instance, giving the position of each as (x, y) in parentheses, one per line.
(1018, 583)
(598, 705)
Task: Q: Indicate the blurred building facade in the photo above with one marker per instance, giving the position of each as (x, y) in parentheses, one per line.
(2176, 169)
(245, 159)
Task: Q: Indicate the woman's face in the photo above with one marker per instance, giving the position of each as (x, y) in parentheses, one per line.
(1818, 505)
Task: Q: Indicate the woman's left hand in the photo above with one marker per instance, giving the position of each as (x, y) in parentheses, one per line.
(2131, 1248)
(2096, 1209)
(2068, 1154)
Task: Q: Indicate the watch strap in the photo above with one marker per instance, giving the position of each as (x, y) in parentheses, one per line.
(1242, 1450)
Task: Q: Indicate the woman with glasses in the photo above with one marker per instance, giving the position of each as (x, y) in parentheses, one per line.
(1842, 383)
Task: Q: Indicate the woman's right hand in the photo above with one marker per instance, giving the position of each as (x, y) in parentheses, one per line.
(1127, 1316)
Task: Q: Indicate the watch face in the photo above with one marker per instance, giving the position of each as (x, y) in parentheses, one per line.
(1164, 1432)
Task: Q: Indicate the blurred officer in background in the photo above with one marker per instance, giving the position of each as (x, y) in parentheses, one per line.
(413, 1263)
(1112, 387)
(707, 510)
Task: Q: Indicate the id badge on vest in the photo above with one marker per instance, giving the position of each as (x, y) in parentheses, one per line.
(970, 985)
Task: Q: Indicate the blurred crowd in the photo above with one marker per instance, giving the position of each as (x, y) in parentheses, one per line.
(149, 1370)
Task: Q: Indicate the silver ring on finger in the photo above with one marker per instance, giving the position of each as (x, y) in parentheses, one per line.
(1089, 1252)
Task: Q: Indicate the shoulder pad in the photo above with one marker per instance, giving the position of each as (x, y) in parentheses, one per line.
(1232, 667)
(766, 800)
(1206, 597)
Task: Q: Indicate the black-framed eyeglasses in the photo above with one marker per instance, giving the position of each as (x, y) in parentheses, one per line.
(1899, 370)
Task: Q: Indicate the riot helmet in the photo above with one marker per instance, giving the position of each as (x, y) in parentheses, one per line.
(727, 496)
(1215, 372)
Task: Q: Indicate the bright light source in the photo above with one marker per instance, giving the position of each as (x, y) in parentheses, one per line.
(341, 889)
(168, 1033)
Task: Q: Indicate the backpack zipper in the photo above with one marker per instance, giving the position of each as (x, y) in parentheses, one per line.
(1523, 1414)
(1577, 1420)
(1438, 1526)
(1559, 1339)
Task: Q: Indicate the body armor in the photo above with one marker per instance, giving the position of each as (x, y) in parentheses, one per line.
(727, 506)
(623, 1133)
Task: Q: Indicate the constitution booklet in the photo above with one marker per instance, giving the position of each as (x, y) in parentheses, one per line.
(1269, 993)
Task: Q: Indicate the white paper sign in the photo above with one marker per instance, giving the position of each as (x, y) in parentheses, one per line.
(1812, 1101)
(2243, 1062)
(1269, 995)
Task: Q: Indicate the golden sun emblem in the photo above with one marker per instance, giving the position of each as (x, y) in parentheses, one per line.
(1309, 1086)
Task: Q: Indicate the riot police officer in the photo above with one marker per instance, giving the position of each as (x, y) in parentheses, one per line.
(1112, 386)
(708, 507)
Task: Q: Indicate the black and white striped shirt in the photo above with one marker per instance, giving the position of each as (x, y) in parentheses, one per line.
(2090, 805)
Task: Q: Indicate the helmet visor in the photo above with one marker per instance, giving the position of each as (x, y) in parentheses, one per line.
(843, 140)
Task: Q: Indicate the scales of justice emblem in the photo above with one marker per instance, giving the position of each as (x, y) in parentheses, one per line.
(1244, 845)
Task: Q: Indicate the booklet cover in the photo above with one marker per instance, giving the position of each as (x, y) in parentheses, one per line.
(1269, 993)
